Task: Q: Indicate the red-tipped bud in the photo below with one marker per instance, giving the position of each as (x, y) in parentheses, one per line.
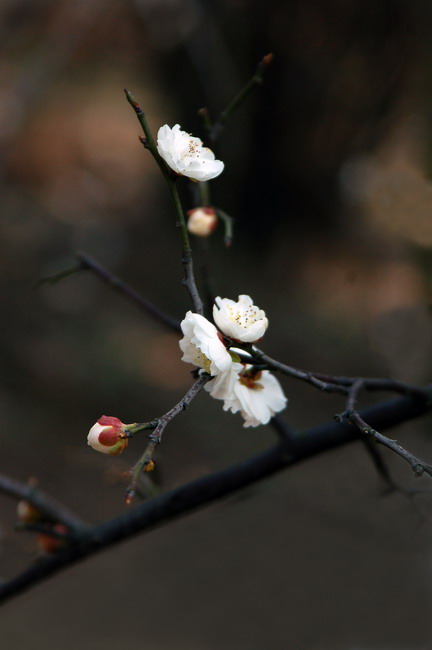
(202, 221)
(107, 435)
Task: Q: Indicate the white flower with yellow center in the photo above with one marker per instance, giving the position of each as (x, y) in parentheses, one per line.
(186, 154)
(242, 320)
(257, 395)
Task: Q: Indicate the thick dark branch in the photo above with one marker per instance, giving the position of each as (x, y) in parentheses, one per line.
(205, 490)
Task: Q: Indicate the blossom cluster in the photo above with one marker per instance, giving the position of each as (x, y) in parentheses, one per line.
(256, 394)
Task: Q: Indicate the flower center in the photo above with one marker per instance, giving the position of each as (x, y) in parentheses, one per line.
(192, 149)
(244, 317)
(201, 360)
(250, 379)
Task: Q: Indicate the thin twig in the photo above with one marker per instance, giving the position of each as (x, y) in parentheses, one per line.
(373, 384)
(187, 261)
(303, 375)
(352, 415)
(216, 129)
(89, 263)
(228, 227)
(147, 461)
(379, 463)
(205, 490)
(335, 384)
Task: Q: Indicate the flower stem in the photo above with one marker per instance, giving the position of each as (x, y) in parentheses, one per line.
(158, 425)
(228, 225)
(256, 80)
(189, 278)
(150, 144)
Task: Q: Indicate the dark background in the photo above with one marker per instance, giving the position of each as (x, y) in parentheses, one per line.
(327, 177)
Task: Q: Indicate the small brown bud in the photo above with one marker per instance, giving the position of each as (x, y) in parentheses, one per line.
(149, 467)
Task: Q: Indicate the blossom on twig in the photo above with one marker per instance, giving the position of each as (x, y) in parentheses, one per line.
(107, 435)
(202, 346)
(257, 395)
(242, 320)
(186, 155)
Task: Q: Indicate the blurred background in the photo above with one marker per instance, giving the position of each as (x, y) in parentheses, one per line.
(328, 179)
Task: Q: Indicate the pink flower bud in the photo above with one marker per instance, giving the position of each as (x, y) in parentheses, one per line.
(202, 221)
(107, 434)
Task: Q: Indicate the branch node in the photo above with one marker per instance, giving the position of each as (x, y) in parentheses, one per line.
(418, 470)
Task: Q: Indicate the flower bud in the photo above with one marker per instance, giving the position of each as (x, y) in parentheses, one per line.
(107, 434)
(202, 221)
(50, 543)
(28, 513)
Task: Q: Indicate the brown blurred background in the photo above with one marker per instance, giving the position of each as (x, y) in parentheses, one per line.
(328, 178)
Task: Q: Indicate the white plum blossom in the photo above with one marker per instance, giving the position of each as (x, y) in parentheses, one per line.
(222, 386)
(242, 320)
(202, 346)
(257, 395)
(107, 434)
(186, 155)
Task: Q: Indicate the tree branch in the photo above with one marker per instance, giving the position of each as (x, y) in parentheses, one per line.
(216, 129)
(146, 462)
(187, 261)
(335, 384)
(49, 507)
(89, 263)
(203, 491)
(352, 415)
